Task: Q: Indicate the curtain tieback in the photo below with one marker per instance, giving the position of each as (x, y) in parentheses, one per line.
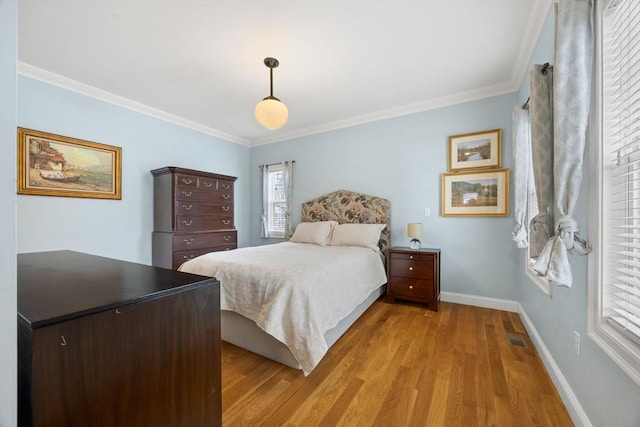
(569, 234)
(519, 236)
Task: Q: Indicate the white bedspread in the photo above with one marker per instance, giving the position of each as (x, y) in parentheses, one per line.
(294, 291)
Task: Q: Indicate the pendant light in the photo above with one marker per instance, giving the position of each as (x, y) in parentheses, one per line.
(271, 112)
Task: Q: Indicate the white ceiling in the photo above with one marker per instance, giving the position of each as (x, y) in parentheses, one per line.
(200, 63)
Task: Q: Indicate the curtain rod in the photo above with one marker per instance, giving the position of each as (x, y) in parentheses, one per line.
(546, 66)
(273, 164)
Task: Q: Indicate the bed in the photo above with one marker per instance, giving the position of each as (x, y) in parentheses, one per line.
(292, 301)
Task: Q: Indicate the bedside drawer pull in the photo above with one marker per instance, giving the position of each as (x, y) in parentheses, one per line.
(226, 196)
(410, 256)
(410, 286)
(187, 223)
(187, 193)
(188, 241)
(226, 208)
(63, 342)
(226, 221)
(186, 181)
(410, 268)
(207, 184)
(187, 207)
(188, 257)
(227, 238)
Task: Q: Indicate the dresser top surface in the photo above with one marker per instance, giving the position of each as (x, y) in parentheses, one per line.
(58, 286)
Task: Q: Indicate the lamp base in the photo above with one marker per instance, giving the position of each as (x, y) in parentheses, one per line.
(414, 244)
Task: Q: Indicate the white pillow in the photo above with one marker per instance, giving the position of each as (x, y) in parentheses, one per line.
(318, 233)
(366, 235)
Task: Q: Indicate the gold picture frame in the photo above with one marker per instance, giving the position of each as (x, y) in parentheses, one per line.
(477, 193)
(55, 165)
(475, 150)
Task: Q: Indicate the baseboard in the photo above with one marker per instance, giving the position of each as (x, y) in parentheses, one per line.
(567, 395)
(477, 301)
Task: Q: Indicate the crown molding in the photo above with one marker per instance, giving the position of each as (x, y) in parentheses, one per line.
(54, 79)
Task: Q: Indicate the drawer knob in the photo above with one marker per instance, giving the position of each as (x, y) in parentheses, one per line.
(226, 186)
(410, 286)
(225, 208)
(207, 184)
(226, 196)
(188, 241)
(187, 207)
(226, 221)
(186, 181)
(410, 268)
(188, 257)
(410, 256)
(187, 223)
(187, 193)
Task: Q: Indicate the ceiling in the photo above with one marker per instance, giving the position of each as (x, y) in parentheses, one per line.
(200, 63)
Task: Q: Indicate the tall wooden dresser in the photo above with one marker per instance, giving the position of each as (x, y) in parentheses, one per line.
(192, 215)
(103, 342)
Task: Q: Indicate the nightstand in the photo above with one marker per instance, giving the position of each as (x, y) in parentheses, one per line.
(414, 275)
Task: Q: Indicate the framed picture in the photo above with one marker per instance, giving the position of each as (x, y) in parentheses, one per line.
(475, 150)
(478, 193)
(54, 165)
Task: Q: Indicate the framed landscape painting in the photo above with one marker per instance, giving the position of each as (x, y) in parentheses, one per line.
(475, 150)
(54, 165)
(478, 193)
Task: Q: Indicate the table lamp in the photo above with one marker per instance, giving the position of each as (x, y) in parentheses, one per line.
(414, 230)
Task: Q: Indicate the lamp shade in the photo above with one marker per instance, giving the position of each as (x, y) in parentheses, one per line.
(271, 113)
(414, 230)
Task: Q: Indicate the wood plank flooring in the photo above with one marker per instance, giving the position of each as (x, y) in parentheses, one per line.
(402, 365)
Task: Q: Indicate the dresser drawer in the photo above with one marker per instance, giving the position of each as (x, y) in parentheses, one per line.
(186, 181)
(414, 289)
(180, 257)
(189, 194)
(203, 222)
(183, 242)
(189, 207)
(412, 268)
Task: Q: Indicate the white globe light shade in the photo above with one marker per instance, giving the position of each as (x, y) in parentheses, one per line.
(271, 113)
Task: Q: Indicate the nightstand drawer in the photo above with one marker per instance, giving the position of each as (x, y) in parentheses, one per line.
(414, 268)
(414, 289)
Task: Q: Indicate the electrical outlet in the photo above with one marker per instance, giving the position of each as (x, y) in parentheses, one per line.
(576, 343)
(427, 212)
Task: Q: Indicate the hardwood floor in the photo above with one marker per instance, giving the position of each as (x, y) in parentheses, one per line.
(402, 365)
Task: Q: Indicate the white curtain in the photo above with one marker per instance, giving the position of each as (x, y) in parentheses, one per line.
(541, 111)
(573, 65)
(288, 185)
(264, 228)
(521, 147)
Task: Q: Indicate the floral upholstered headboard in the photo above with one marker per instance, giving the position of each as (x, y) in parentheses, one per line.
(349, 207)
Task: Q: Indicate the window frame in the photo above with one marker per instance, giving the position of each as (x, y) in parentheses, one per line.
(275, 233)
(620, 348)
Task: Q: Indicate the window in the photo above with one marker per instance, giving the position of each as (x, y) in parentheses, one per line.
(277, 205)
(614, 299)
(276, 196)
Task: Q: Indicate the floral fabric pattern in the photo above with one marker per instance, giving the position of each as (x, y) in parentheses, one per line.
(349, 207)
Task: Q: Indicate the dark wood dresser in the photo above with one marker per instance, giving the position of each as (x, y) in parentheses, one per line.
(414, 275)
(103, 342)
(192, 215)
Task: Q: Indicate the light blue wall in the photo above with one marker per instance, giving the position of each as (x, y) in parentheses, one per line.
(8, 95)
(401, 159)
(608, 395)
(116, 228)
